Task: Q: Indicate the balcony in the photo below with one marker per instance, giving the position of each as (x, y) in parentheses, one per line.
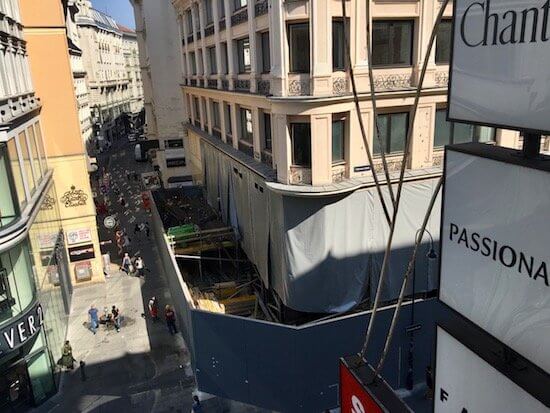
(221, 25)
(239, 17)
(242, 85)
(261, 7)
(263, 87)
(209, 31)
(212, 84)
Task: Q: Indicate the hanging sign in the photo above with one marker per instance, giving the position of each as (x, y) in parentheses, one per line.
(21, 329)
(499, 66)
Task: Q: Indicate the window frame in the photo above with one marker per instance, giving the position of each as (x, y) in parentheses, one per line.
(243, 123)
(293, 143)
(340, 21)
(339, 118)
(266, 132)
(290, 27)
(228, 122)
(474, 135)
(215, 65)
(412, 23)
(387, 139)
(209, 12)
(237, 5)
(448, 61)
(264, 35)
(242, 66)
(216, 115)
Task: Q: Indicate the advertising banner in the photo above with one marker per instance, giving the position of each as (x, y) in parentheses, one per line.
(495, 253)
(78, 236)
(354, 398)
(464, 382)
(83, 252)
(499, 66)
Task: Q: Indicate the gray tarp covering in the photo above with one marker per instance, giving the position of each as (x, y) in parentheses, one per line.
(325, 251)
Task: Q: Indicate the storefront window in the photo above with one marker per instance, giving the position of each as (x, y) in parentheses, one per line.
(8, 199)
(40, 373)
(17, 173)
(17, 289)
(27, 161)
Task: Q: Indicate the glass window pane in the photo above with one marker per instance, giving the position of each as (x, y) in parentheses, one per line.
(213, 65)
(443, 129)
(40, 373)
(243, 47)
(443, 42)
(27, 161)
(228, 119)
(484, 134)
(225, 58)
(383, 130)
(267, 131)
(301, 144)
(392, 43)
(193, 63)
(266, 59)
(246, 125)
(299, 47)
(40, 143)
(462, 132)
(8, 201)
(398, 131)
(221, 6)
(34, 152)
(16, 172)
(338, 45)
(208, 10)
(338, 141)
(216, 114)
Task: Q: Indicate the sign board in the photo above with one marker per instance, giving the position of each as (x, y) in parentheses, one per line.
(499, 64)
(465, 383)
(109, 222)
(353, 397)
(78, 236)
(21, 329)
(495, 255)
(47, 240)
(82, 252)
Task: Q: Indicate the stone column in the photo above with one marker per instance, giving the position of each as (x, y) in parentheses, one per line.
(423, 137)
(321, 45)
(202, 19)
(231, 76)
(356, 153)
(195, 37)
(223, 121)
(216, 16)
(281, 147)
(277, 47)
(428, 14)
(252, 39)
(321, 149)
(209, 121)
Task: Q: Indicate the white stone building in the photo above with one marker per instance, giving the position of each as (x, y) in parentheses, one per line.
(159, 53)
(133, 71)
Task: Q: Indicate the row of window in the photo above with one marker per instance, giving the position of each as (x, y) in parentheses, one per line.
(393, 128)
(209, 12)
(22, 165)
(392, 46)
(15, 76)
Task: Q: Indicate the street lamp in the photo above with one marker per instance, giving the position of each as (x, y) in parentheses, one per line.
(431, 256)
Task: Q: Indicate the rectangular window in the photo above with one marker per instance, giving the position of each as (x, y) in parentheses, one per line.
(339, 44)
(221, 6)
(298, 44)
(189, 22)
(243, 52)
(175, 162)
(208, 11)
(8, 201)
(448, 133)
(443, 42)
(392, 43)
(338, 140)
(173, 143)
(212, 58)
(300, 134)
(34, 152)
(267, 132)
(393, 132)
(27, 161)
(237, 4)
(228, 128)
(193, 63)
(225, 68)
(196, 105)
(246, 125)
(216, 115)
(200, 69)
(266, 59)
(40, 143)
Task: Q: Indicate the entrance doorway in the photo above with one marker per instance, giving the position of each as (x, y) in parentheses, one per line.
(15, 389)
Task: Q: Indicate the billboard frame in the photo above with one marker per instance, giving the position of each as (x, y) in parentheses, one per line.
(449, 92)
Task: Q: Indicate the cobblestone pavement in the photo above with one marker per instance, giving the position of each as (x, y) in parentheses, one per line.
(141, 368)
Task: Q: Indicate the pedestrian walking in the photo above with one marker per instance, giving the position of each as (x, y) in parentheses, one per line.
(116, 317)
(140, 266)
(126, 263)
(154, 308)
(197, 408)
(128, 175)
(126, 240)
(122, 201)
(170, 317)
(147, 229)
(67, 360)
(137, 228)
(94, 319)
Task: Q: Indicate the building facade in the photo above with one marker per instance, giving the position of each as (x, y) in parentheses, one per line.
(159, 51)
(133, 71)
(35, 285)
(103, 58)
(79, 73)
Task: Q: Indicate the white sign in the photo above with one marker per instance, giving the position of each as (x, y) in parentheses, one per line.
(47, 240)
(77, 236)
(109, 222)
(464, 382)
(495, 262)
(499, 68)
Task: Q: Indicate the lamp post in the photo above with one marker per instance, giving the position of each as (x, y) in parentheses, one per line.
(431, 255)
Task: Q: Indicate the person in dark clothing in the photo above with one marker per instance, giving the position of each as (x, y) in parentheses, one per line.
(137, 228)
(116, 317)
(197, 408)
(170, 317)
(147, 229)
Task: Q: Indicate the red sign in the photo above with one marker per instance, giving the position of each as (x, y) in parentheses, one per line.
(354, 398)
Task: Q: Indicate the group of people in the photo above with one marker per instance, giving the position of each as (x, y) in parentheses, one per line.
(112, 317)
(133, 265)
(169, 314)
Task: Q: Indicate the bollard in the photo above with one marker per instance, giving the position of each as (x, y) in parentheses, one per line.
(82, 370)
